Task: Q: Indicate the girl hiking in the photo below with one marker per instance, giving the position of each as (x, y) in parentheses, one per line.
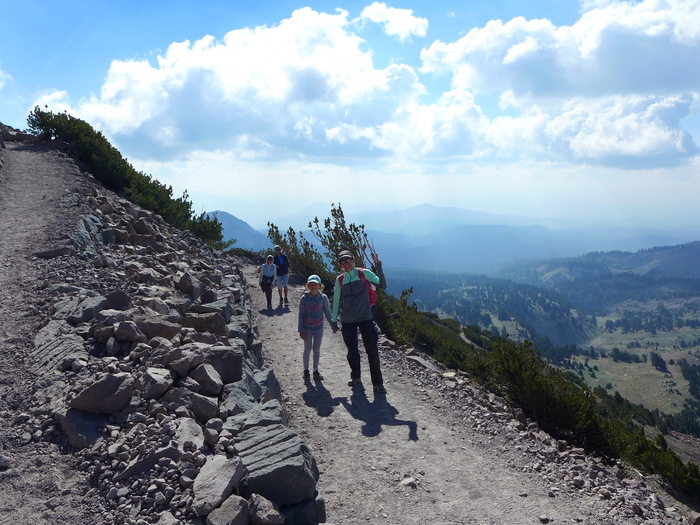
(313, 306)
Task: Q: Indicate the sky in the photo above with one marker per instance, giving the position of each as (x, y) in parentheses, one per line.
(579, 110)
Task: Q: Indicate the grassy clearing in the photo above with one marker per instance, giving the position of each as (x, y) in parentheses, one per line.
(640, 383)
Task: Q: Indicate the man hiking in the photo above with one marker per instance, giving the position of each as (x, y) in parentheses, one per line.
(282, 263)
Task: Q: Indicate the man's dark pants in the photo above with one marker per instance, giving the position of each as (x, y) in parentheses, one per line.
(369, 339)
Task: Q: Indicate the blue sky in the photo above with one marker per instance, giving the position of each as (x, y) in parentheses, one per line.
(571, 109)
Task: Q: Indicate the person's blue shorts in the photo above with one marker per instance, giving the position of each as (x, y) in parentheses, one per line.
(282, 280)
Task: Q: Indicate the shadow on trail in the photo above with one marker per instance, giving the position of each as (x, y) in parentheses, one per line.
(271, 312)
(376, 413)
(319, 397)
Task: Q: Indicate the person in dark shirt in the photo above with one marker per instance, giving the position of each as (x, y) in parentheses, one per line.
(282, 263)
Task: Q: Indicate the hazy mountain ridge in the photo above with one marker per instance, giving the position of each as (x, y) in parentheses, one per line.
(599, 282)
(245, 236)
(458, 240)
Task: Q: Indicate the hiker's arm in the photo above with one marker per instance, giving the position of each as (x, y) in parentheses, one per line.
(327, 312)
(376, 275)
(336, 301)
(302, 311)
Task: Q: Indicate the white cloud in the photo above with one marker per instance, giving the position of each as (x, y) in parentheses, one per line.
(400, 23)
(282, 87)
(612, 88)
(4, 78)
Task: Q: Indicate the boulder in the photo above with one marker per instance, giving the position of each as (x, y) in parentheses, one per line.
(107, 395)
(154, 382)
(81, 429)
(155, 326)
(227, 361)
(280, 465)
(233, 511)
(213, 323)
(216, 481)
(209, 379)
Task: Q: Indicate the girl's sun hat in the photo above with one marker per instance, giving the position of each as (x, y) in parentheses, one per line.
(313, 279)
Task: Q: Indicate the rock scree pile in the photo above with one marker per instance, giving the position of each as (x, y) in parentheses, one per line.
(148, 365)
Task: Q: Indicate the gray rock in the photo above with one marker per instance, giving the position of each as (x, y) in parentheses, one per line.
(58, 353)
(190, 285)
(154, 382)
(107, 395)
(204, 408)
(216, 481)
(127, 331)
(209, 379)
(310, 511)
(81, 429)
(145, 462)
(118, 300)
(260, 415)
(233, 511)
(190, 435)
(155, 326)
(280, 465)
(213, 323)
(235, 401)
(263, 511)
(227, 361)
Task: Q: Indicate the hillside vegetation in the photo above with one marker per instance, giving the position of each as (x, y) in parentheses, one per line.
(107, 164)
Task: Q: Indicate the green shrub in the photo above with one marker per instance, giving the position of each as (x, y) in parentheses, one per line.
(114, 172)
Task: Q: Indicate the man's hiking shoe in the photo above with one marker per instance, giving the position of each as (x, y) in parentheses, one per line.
(307, 377)
(286, 301)
(317, 376)
(354, 382)
(379, 389)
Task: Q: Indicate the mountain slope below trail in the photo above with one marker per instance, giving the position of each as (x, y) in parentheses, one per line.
(436, 448)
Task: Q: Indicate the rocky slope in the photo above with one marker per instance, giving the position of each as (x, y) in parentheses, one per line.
(136, 388)
(129, 352)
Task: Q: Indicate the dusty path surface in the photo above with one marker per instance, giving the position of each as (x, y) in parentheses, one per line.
(422, 453)
(42, 485)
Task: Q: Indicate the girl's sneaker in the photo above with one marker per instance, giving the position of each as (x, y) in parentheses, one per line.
(307, 377)
(317, 376)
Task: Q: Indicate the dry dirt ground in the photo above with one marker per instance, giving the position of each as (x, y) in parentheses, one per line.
(413, 456)
(41, 485)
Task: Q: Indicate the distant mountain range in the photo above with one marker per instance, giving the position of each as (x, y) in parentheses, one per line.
(600, 281)
(245, 236)
(437, 238)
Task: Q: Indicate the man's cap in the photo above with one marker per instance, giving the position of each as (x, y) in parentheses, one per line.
(345, 253)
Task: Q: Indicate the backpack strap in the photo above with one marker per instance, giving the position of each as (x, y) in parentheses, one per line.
(361, 273)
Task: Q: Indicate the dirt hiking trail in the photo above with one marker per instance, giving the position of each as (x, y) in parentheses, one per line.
(414, 455)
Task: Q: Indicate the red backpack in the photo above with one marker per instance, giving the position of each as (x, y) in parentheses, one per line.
(371, 289)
